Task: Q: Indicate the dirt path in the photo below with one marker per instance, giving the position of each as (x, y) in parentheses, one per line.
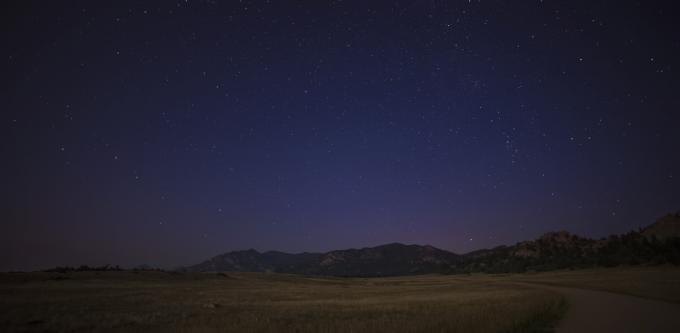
(599, 311)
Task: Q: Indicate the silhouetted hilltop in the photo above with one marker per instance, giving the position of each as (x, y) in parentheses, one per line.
(665, 227)
(658, 243)
(254, 261)
(389, 259)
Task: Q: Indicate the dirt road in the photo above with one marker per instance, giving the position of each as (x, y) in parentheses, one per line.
(599, 311)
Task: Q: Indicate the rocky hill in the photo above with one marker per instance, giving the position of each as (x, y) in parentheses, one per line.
(656, 244)
(665, 227)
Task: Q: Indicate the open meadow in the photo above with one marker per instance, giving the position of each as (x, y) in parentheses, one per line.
(263, 302)
(259, 302)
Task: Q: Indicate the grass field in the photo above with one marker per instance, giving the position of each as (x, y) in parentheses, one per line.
(258, 302)
(656, 282)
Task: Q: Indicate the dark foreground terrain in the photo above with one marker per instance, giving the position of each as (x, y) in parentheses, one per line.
(261, 302)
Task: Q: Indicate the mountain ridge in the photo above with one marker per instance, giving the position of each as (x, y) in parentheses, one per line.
(655, 244)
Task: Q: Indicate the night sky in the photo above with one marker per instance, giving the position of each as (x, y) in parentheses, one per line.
(165, 132)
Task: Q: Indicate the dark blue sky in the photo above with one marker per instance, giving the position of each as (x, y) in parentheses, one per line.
(167, 132)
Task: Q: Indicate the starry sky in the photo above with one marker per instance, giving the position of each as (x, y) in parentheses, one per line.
(166, 132)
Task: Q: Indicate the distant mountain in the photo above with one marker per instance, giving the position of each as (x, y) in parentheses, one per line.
(656, 244)
(389, 259)
(254, 261)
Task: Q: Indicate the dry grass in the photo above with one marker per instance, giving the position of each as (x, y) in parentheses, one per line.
(252, 302)
(657, 282)
(256, 302)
